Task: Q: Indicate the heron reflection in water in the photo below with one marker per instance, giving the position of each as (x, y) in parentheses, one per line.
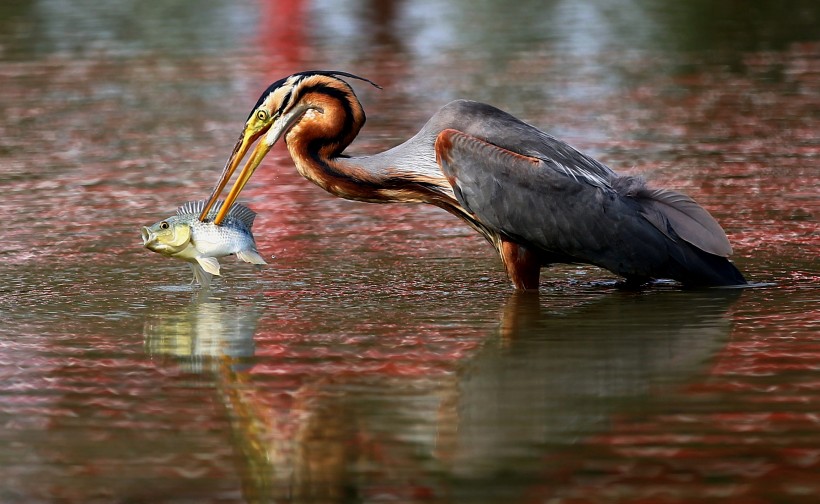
(515, 403)
(536, 199)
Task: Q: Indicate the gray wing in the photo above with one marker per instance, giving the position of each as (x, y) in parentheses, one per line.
(567, 215)
(665, 209)
(506, 131)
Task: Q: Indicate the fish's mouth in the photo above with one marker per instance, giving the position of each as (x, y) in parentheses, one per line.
(147, 237)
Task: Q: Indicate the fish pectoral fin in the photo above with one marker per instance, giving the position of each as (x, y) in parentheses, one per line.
(250, 256)
(209, 264)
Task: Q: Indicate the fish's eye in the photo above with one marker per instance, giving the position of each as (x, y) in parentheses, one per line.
(164, 225)
(262, 115)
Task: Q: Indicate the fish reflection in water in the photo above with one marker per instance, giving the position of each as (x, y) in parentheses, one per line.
(547, 378)
(203, 335)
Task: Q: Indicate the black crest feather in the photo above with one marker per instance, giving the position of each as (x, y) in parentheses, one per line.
(308, 73)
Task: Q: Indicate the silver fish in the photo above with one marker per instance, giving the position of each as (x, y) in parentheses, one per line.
(183, 236)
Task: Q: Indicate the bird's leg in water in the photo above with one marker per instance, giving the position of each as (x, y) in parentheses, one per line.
(522, 265)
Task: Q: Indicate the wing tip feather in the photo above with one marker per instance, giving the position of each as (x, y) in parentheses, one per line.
(690, 221)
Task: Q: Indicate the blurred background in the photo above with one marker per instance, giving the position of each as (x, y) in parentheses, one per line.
(382, 355)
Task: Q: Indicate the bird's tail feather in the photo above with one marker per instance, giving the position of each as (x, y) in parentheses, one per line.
(697, 245)
(695, 268)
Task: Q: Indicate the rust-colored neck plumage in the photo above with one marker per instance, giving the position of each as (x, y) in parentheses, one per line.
(316, 142)
(330, 122)
(333, 119)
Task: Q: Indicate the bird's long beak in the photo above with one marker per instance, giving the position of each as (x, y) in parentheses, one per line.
(246, 139)
(258, 154)
(276, 130)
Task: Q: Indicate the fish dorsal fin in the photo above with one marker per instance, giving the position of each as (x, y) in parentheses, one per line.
(195, 207)
(242, 213)
(239, 212)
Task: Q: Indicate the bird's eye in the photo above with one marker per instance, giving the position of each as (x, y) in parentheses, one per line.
(164, 225)
(262, 115)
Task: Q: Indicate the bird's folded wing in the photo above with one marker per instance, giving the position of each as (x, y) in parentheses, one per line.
(523, 197)
(690, 221)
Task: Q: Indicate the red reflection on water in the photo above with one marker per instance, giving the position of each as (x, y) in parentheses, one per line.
(283, 36)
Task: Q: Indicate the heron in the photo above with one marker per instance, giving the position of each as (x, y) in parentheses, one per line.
(535, 198)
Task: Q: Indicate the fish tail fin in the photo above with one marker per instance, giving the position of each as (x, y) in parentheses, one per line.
(250, 256)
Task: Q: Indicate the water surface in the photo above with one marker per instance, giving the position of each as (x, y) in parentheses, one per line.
(382, 355)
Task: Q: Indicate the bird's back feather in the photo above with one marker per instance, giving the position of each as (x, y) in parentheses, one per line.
(617, 224)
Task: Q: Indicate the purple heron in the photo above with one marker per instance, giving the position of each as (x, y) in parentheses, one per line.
(536, 199)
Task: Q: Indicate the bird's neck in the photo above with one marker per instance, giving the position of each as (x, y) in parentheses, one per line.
(344, 177)
(406, 173)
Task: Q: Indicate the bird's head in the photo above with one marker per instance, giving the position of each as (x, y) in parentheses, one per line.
(320, 100)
